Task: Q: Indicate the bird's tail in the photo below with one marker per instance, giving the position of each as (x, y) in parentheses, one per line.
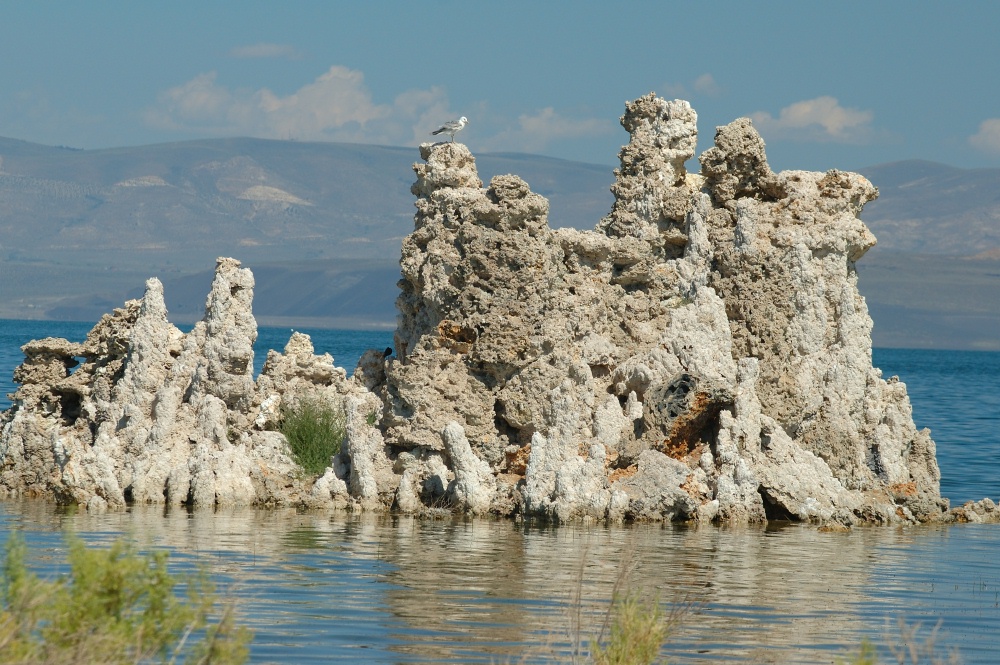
(437, 131)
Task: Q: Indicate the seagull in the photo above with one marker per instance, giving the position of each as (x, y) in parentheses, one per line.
(451, 127)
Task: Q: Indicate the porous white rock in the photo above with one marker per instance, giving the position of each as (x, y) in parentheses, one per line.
(363, 452)
(703, 354)
(156, 416)
(474, 484)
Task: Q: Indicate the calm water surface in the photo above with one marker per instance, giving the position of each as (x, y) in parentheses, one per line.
(361, 588)
(367, 589)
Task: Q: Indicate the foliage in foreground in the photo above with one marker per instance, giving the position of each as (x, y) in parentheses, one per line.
(314, 431)
(115, 607)
(635, 630)
(638, 631)
(907, 649)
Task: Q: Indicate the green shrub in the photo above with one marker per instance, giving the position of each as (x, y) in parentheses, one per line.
(867, 655)
(638, 631)
(909, 647)
(115, 607)
(314, 431)
(633, 628)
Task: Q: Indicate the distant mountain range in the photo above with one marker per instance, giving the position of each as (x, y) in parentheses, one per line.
(320, 224)
(929, 208)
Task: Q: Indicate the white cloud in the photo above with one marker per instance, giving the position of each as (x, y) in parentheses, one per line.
(337, 98)
(705, 86)
(420, 111)
(337, 106)
(534, 132)
(987, 138)
(266, 50)
(819, 119)
(550, 125)
(199, 101)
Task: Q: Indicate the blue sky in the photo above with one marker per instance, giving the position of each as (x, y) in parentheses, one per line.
(829, 85)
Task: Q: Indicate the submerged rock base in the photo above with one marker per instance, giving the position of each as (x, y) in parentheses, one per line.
(703, 354)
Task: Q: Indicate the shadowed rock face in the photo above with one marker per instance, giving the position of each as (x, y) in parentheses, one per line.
(703, 354)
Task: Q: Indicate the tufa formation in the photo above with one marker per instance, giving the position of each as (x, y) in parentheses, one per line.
(703, 354)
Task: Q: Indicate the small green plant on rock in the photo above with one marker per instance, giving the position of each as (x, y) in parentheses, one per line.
(314, 430)
(115, 607)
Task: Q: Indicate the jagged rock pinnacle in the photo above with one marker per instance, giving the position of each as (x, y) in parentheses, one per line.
(704, 354)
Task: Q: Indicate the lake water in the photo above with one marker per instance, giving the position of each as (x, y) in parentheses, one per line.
(319, 588)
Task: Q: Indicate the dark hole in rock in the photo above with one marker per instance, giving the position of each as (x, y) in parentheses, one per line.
(684, 413)
(600, 371)
(433, 490)
(875, 462)
(127, 493)
(516, 435)
(69, 407)
(667, 402)
(773, 510)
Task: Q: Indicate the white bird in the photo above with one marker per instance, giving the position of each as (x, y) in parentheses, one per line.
(451, 127)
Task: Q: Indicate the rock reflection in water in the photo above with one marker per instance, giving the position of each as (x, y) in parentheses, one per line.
(382, 589)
